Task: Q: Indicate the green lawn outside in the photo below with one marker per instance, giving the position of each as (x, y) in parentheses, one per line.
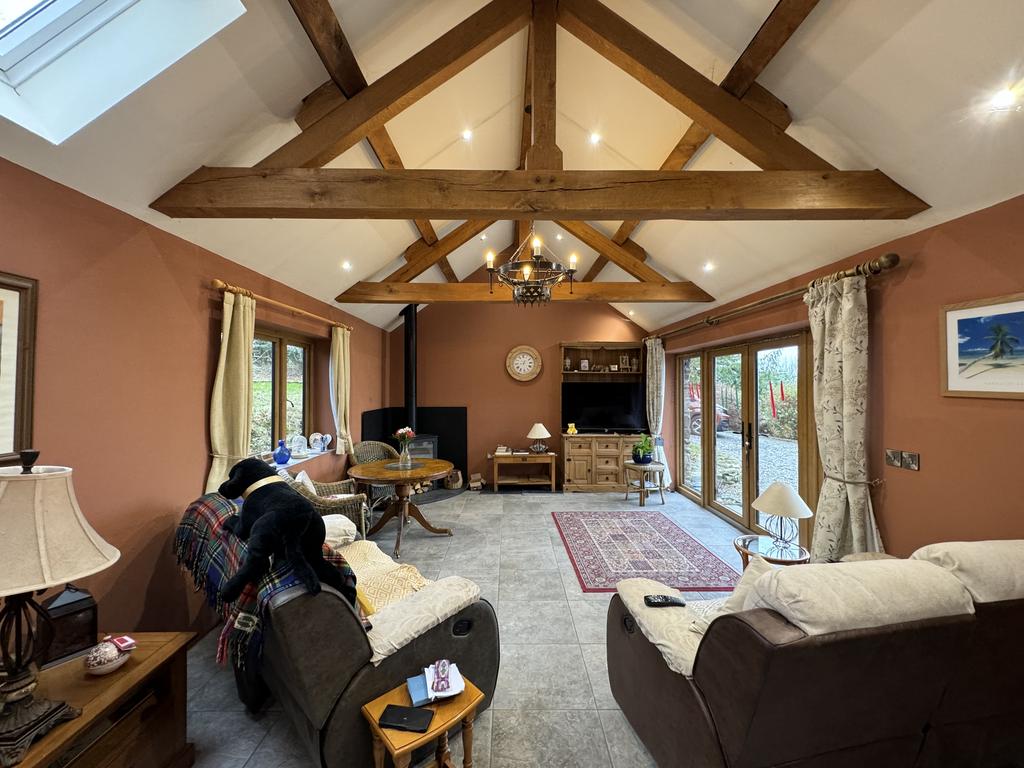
(261, 435)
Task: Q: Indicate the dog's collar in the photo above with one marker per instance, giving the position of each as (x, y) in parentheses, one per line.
(260, 483)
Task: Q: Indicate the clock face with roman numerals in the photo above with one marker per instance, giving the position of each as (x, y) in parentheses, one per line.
(523, 363)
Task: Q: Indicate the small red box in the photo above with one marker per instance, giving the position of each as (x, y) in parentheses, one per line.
(124, 643)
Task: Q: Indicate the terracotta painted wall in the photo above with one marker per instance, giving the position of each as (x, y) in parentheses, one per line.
(461, 361)
(970, 448)
(125, 354)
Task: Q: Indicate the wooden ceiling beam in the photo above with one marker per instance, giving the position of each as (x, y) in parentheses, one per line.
(544, 152)
(421, 257)
(347, 193)
(734, 122)
(602, 261)
(431, 293)
(321, 24)
(616, 253)
(740, 81)
(350, 122)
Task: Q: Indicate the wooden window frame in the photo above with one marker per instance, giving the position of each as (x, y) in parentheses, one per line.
(281, 342)
(811, 476)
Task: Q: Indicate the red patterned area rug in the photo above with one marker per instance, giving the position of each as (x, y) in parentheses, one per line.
(607, 547)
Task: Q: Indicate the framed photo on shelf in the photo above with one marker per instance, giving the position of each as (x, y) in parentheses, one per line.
(983, 348)
(624, 363)
(584, 364)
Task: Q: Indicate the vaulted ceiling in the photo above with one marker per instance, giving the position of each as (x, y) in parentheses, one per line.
(902, 87)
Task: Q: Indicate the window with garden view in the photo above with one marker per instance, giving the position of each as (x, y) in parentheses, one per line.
(280, 390)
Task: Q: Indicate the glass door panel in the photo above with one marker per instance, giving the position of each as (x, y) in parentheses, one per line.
(692, 423)
(725, 417)
(776, 445)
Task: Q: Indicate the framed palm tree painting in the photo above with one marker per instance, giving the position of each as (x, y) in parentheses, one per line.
(983, 348)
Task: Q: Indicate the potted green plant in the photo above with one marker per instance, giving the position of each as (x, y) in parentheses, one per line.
(643, 451)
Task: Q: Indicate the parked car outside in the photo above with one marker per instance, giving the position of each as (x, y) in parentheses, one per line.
(696, 423)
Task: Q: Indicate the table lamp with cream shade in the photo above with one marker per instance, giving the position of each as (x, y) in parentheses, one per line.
(783, 507)
(538, 433)
(45, 541)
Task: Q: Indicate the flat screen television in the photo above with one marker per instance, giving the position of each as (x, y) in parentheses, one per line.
(604, 406)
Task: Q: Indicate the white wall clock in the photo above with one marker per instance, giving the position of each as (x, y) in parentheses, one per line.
(523, 363)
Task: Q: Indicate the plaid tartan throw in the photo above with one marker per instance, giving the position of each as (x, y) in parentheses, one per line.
(212, 555)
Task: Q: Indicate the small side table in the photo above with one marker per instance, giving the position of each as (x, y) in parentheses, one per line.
(447, 713)
(763, 546)
(654, 470)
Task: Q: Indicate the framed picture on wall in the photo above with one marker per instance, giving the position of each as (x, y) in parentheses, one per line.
(18, 296)
(983, 348)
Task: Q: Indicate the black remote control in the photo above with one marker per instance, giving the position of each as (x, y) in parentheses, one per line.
(663, 601)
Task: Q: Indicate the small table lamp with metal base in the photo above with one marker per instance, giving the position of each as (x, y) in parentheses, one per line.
(782, 507)
(46, 543)
(538, 434)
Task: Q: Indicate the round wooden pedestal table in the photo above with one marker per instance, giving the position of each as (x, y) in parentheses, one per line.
(388, 472)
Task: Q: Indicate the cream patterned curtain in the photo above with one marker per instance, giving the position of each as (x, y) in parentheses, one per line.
(341, 384)
(231, 399)
(844, 521)
(656, 398)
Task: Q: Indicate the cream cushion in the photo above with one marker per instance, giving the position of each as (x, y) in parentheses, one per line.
(833, 597)
(709, 610)
(667, 628)
(340, 531)
(304, 479)
(399, 624)
(990, 570)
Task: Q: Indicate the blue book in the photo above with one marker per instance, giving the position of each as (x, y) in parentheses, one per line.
(418, 690)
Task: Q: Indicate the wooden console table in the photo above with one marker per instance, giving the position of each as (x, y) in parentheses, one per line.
(132, 717)
(532, 460)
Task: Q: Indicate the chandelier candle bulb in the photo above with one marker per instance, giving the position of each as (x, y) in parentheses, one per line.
(490, 259)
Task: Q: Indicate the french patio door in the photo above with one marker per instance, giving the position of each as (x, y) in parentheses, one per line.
(745, 417)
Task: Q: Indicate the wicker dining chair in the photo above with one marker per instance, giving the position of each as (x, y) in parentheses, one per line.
(353, 506)
(374, 450)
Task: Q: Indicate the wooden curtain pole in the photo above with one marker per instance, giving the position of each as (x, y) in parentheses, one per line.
(220, 285)
(872, 267)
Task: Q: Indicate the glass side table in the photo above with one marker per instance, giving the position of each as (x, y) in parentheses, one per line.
(763, 546)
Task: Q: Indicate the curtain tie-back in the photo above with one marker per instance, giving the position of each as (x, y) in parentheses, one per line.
(873, 483)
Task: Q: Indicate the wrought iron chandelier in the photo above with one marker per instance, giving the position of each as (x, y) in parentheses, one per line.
(531, 279)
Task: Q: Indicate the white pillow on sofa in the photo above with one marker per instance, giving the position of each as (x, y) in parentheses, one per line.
(340, 531)
(990, 570)
(304, 478)
(833, 597)
(756, 568)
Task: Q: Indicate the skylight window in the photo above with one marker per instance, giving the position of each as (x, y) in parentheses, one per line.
(65, 62)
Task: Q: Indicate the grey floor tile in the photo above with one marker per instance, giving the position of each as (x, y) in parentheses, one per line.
(280, 749)
(590, 619)
(566, 739)
(535, 621)
(229, 735)
(488, 588)
(531, 585)
(217, 695)
(541, 676)
(528, 560)
(595, 656)
(481, 743)
(574, 590)
(625, 748)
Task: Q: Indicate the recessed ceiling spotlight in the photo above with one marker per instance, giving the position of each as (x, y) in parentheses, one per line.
(483, 236)
(595, 138)
(1003, 99)
(467, 135)
(558, 236)
(347, 266)
(631, 313)
(708, 266)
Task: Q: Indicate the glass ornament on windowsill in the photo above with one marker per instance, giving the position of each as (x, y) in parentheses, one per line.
(299, 447)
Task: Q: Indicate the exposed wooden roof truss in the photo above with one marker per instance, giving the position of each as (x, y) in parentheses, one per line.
(291, 182)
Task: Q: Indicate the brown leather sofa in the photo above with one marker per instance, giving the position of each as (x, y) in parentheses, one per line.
(316, 663)
(931, 693)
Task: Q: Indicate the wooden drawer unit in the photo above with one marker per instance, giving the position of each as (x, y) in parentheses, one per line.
(595, 462)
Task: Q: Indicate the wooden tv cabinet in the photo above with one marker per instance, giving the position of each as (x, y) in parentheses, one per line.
(594, 462)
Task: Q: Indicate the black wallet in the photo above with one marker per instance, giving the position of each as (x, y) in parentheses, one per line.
(415, 719)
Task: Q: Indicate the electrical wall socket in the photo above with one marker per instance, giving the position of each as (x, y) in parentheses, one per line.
(911, 461)
(893, 458)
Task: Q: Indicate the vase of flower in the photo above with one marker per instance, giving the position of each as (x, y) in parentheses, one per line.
(282, 454)
(404, 436)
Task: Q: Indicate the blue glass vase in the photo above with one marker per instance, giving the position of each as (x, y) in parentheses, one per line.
(282, 455)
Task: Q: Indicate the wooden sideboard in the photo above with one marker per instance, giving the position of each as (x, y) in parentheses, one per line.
(594, 462)
(131, 718)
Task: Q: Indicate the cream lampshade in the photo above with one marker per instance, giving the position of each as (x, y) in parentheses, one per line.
(538, 433)
(783, 505)
(45, 541)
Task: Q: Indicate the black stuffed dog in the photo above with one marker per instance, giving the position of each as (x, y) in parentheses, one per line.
(276, 521)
